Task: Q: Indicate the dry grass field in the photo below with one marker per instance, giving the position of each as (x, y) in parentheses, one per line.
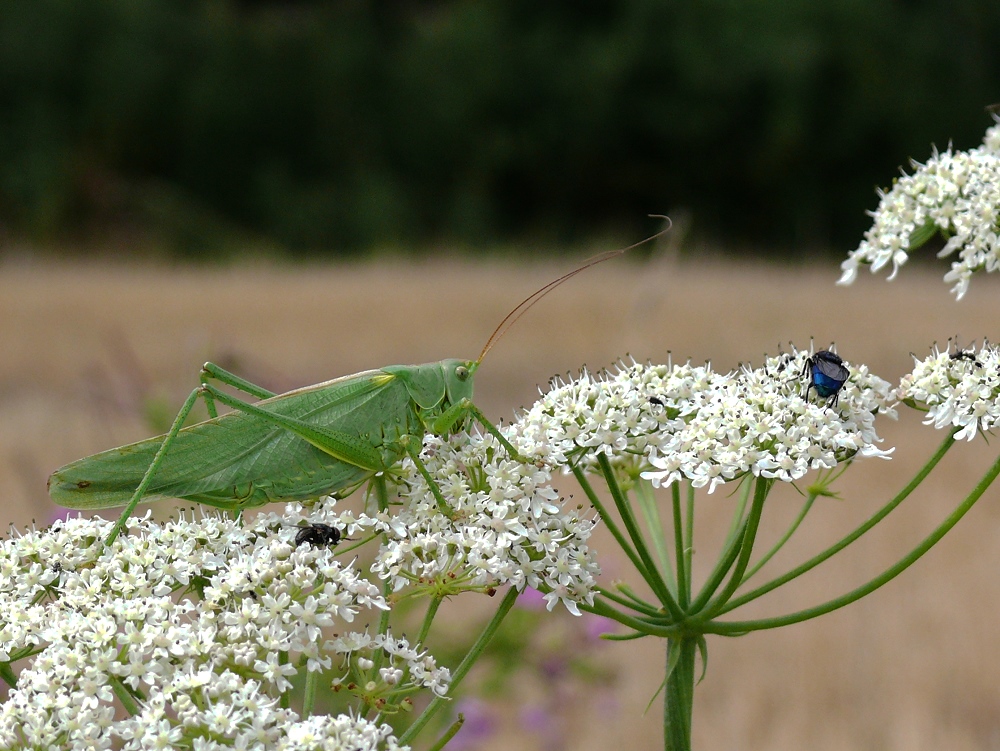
(913, 667)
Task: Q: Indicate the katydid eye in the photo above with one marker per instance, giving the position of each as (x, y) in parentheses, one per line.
(461, 373)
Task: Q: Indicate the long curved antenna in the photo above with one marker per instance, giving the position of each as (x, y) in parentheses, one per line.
(525, 305)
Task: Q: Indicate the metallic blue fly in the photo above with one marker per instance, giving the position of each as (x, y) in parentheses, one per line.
(827, 375)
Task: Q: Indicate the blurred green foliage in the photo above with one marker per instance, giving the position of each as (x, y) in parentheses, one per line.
(331, 127)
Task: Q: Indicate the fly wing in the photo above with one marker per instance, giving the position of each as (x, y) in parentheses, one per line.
(833, 370)
(232, 456)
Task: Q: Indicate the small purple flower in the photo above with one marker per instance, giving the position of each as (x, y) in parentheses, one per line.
(479, 725)
(536, 720)
(595, 625)
(531, 599)
(543, 725)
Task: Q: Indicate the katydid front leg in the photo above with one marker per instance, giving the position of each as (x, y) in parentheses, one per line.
(457, 412)
(414, 453)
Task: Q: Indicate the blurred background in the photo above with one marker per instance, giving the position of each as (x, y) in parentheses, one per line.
(302, 190)
(212, 128)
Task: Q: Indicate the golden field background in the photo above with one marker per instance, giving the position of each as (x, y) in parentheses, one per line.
(914, 666)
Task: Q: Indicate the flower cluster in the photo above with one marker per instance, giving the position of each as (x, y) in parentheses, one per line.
(676, 422)
(402, 670)
(503, 524)
(622, 415)
(958, 389)
(200, 626)
(325, 733)
(956, 193)
(197, 626)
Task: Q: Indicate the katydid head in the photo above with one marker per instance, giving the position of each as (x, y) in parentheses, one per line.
(458, 380)
(436, 385)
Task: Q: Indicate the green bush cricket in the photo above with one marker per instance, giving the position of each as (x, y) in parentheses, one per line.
(326, 439)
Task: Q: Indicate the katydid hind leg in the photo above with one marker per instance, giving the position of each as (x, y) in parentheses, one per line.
(209, 371)
(340, 446)
(346, 448)
(212, 372)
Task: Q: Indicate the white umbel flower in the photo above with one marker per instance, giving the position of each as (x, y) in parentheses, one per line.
(187, 618)
(319, 733)
(956, 193)
(679, 422)
(957, 389)
(507, 525)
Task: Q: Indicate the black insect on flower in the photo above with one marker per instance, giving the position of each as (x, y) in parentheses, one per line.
(827, 374)
(318, 534)
(250, 592)
(966, 354)
(784, 362)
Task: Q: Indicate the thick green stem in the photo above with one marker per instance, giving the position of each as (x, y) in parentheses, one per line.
(7, 674)
(660, 626)
(286, 697)
(450, 733)
(609, 521)
(124, 695)
(730, 548)
(432, 608)
(651, 511)
(309, 697)
(810, 499)
(763, 487)
(678, 698)
(736, 524)
(689, 537)
(629, 601)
